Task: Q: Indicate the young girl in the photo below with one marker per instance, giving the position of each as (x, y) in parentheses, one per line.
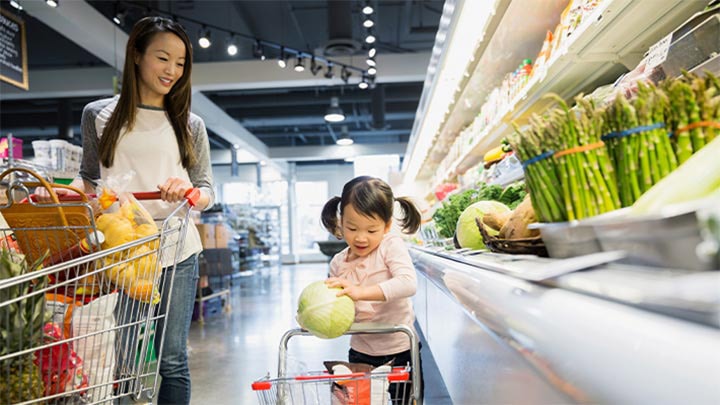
(375, 270)
(149, 129)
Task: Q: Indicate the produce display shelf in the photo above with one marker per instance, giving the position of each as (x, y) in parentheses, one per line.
(604, 275)
(609, 41)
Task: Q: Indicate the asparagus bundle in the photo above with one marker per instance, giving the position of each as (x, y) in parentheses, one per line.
(636, 137)
(693, 113)
(540, 175)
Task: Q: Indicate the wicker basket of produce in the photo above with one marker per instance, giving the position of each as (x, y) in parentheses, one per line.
(524, 246)
(509, 233)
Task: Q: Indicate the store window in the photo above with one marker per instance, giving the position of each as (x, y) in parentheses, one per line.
(275, 193)
(310, 197)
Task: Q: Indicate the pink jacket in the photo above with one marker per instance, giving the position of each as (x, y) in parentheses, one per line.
(390, 267)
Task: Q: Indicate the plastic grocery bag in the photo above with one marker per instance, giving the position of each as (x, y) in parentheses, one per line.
(98, 351)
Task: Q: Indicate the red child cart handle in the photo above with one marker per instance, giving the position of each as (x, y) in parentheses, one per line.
(192, 196)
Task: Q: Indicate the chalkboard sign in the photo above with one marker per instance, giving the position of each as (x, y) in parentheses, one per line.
(13, 50)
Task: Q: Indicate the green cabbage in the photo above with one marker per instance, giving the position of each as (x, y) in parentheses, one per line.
(323, 314)
(468, 234)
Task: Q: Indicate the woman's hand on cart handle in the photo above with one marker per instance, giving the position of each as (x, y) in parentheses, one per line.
(176, 189)
(41, 194)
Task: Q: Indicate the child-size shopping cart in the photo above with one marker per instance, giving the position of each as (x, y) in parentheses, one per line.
(383, 385)
(79, 324)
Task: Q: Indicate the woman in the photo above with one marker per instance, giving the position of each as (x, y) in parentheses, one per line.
(148, 129)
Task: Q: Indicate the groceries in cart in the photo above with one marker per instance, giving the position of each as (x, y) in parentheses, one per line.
(65, 266)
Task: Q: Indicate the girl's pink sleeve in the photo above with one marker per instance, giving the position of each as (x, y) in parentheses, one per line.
(335, 265)
(403, 283)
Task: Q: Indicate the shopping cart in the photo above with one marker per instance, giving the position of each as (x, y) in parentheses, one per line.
(67, 333)
(392, 386)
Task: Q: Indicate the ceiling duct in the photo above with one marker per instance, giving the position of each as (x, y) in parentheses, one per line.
(378, 107)
(341, 42)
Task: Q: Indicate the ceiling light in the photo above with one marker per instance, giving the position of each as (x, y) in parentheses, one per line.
(370, 39)
(372, 71)
(372, 52)
(344, 138)
(371, 62)
(368, 23)
(363, 83)
(15, 4)
(52, 3)
(281, 59)
(232, 49)
(314, 66)
(345, 74)
(329, 72)
(258, 50)
(367, 10)
(204, 38)
(119, 18)
(334, 113)
(300, 64)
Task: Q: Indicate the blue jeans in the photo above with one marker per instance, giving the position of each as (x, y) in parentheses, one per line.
(174, 370)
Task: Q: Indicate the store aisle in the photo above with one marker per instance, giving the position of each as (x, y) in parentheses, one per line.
(230, 351)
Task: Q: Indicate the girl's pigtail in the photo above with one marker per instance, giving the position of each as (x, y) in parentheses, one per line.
(329, 217)
(411, 216)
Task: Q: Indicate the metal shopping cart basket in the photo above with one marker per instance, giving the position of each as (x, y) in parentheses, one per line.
(393, 386)
(68, 334)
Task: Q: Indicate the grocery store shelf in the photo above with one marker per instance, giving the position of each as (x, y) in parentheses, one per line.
(606, 43)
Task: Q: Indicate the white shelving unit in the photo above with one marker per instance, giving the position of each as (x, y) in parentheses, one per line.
(608, 42)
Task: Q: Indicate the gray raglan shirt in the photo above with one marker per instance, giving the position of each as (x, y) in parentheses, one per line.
(151, 151)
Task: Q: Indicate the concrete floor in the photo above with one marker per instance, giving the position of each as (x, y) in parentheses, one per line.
(231, 350)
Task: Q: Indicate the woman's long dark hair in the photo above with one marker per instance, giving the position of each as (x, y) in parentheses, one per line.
(371, 197)
(177, 101)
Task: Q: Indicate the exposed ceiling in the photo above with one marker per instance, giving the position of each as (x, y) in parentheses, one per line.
(286, 114)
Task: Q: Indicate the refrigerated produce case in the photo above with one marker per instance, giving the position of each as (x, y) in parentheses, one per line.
(599, 328)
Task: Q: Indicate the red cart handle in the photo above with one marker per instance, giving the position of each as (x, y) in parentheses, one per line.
(192, 196)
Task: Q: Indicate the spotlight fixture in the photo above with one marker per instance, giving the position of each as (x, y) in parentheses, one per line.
(329, 72)
(372, 71)
(367, 10)
(368, 23)
(300, 64)
(371, 62)
(119, 18)
(314, 66)
(232, 49)
(372, 52)
(258, 50)
(334, 113)
(345, 74)
(204, 38)
(370, 39)
(281, 59)
(52, 3)
(344, 138)
(363, 83)
(16, 4)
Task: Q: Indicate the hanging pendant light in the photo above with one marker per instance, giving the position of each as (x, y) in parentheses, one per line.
(334, 113)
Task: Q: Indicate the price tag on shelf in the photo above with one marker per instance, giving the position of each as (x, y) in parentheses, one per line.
(658, 53)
